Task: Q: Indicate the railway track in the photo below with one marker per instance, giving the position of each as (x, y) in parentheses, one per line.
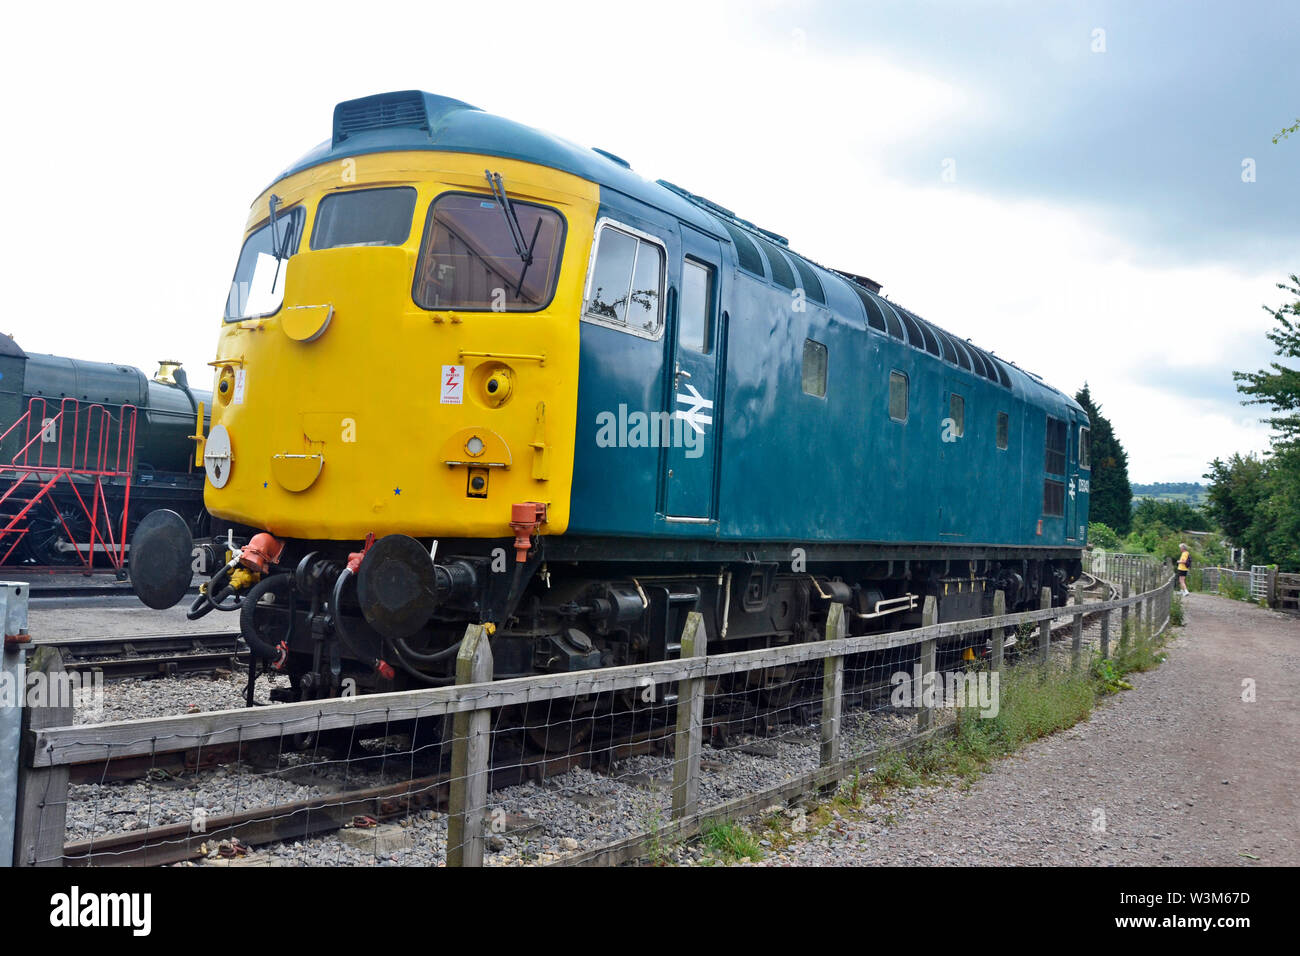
(151, 655)
(177, 843)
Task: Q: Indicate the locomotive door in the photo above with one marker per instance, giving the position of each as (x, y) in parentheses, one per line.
(693, 387)
(1072, 479)
(955, 478)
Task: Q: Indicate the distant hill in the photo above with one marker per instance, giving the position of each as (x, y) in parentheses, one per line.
(1192, 492)
(1168, 488)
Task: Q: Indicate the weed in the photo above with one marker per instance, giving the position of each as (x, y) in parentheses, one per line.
(1231, 589)
(1176, 618)
(731, 841)
(655, 850)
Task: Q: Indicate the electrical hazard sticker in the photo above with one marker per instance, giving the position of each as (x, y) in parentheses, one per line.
(453, 385)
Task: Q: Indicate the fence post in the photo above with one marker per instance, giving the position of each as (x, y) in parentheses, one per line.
(42, 806)
(1151, 609)
(13, 671)
(999, 609)
(929, 617)
(471, 749)
(832, 688)
(689, 737)
(1076, 642)
(1272, 588)
(1123, 620)
(1045, 635)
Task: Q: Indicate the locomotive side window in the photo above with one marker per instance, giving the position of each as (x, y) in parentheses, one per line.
(1053, 498)
(1054, 491)
(258, 285)
(1056, 434)
(626, 281)
(898, 396)
(469, 260)
(1004, 429)
(814, 368)
(1085, 454)
(957, 412)
(364, 217)
(693, 313)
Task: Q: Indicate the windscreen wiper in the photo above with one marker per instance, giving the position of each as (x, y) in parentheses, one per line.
(273, 204)
(525, 253)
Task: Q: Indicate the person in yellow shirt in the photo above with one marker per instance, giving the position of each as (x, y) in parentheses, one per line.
(1184, 563)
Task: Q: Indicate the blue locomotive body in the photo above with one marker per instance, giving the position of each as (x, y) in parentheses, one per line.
(802, 447)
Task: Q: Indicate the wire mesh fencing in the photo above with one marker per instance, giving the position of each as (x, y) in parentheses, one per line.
(1140, 572)
(1230, 581)
(593, 766)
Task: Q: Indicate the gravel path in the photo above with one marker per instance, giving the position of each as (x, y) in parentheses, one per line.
(1179, 771)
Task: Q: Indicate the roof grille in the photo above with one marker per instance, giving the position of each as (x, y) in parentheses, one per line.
(380, 112)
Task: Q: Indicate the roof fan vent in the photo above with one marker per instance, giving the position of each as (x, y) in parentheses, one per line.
(380, 112)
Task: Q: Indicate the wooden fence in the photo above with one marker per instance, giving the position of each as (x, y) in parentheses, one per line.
(52, 747)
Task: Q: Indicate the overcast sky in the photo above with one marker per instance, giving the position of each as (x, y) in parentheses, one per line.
(1060, 182)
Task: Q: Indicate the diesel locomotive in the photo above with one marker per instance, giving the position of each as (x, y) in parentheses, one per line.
(84, 442)
(469, 372)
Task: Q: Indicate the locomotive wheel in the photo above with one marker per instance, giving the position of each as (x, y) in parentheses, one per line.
(776, 692)
(557, 726)
(45, 533)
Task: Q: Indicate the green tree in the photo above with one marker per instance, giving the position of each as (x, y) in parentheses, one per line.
(1236, 488)
(1278, 386)
(1102, 536)
(1172, 516)
(1257, 500)
(1112, 495)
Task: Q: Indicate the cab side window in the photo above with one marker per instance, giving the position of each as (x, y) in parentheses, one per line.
(696, 305)
(625, 287)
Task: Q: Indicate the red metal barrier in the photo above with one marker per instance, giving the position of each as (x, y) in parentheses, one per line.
(98, 458)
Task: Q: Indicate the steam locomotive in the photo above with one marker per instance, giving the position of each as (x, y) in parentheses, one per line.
(470, 372)
(91, 442)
